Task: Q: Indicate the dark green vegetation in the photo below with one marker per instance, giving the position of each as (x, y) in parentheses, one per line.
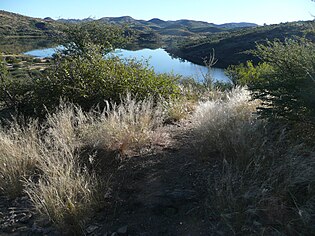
(231, 48)
(284, 82)
(80, 74)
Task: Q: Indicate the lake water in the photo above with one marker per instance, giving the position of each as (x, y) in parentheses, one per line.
(159, 59)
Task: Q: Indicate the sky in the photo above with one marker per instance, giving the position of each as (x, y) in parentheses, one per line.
(213, 11)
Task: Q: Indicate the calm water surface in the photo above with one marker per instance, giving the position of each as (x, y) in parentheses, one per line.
(159, 59)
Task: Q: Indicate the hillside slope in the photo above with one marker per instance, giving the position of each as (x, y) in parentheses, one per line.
(12, 24)
(230, 47)
(182, 27)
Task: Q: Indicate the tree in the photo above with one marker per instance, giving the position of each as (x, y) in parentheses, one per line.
(288, 90)
(79, 37)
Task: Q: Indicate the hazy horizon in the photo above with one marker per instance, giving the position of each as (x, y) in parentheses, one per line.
(217, 12)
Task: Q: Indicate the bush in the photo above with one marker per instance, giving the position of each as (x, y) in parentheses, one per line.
(244, 74)
(79, 37)
(90, 80)
(284, 82)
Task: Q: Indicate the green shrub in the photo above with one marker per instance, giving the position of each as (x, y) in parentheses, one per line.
(244, 74)
(284, 81)
(288, 90)
(80, 73)
(12, 59)
(78, 37)
(90, 79)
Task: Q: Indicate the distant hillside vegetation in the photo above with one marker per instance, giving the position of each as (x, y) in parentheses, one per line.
(12, 24)
(168, 28)
(231, 46)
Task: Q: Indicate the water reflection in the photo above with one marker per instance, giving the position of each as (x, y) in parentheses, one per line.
(19, 45)
(159, 59)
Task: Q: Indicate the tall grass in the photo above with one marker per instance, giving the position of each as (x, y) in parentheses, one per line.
(266, 185)
(225, 124)
(18, 156)
(46, 161)
(65, 192)
(128, 128)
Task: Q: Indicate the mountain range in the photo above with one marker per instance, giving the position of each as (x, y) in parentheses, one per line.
(16, 24)
(182, 27)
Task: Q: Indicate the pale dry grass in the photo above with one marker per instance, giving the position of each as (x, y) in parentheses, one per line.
(65, 192)
(225, 124)
(18, 157)
(45, 162)
(178, 109)
(130, 127)
(266, 185)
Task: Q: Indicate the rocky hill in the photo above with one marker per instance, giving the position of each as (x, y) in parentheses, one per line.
(231, 46)
(182, 27)
(12, 24)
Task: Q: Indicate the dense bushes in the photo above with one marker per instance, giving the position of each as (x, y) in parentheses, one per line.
(287, 91)
(284, 82)
(90, 79)
(82, 74)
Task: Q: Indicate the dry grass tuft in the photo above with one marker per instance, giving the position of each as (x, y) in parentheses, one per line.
(65, 192)
(272, 192)
(178, 109)
(225, 124)
(130, 127)
(18, 157)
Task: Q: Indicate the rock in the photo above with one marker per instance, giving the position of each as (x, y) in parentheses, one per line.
(123, 230)
(91, 229)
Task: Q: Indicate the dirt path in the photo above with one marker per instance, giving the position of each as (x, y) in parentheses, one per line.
(158, 194)
(162, 194)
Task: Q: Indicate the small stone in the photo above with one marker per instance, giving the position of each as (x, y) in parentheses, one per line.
(123, 230)
(91, 229)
